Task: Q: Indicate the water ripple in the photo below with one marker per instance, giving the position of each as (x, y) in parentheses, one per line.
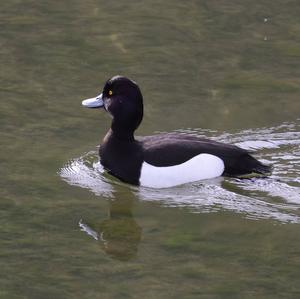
(87, 172)
(277, 197)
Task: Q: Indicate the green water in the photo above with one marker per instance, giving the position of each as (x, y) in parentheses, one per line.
(225, 69)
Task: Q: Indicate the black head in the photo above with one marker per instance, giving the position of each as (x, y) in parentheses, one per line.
(122, 98)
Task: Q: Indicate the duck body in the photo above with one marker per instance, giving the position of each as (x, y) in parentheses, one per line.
(162, 160)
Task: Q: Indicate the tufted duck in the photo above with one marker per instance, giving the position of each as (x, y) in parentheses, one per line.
(163, 160)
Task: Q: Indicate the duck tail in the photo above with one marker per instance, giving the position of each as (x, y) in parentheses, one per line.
(256, 169)
(250, 167)
(262, 169)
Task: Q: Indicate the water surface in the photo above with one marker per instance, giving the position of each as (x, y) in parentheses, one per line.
(228, 70)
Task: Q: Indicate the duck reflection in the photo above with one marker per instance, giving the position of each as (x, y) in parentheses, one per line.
(119, 234)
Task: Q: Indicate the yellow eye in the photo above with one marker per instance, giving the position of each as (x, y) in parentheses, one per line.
(110, 92)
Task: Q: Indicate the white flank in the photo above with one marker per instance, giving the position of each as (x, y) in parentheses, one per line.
(201, 167)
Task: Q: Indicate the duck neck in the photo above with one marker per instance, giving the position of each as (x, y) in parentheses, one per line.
(121, 132)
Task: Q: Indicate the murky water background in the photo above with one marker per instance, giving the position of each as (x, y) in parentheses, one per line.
(228, 70)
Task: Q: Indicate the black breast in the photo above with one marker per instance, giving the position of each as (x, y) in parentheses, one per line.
(122, 158)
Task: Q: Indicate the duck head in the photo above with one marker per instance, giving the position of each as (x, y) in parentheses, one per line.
(122, 98)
